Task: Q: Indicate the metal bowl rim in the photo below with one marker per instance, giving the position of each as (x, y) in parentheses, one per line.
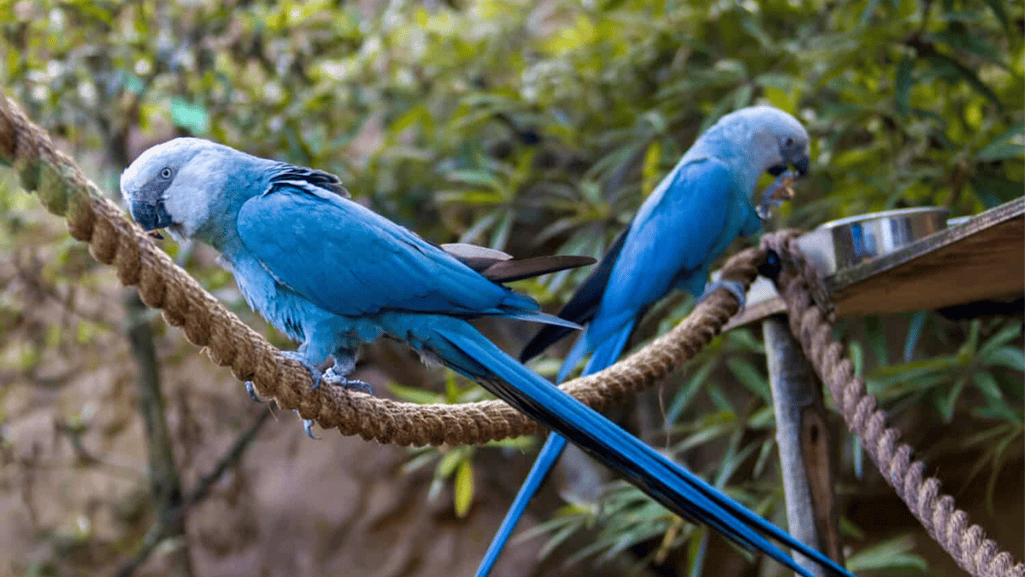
(886, 214)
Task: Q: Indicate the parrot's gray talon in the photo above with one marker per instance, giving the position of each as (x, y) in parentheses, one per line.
(308, 427)
(333, 378)
(252, 392)
(315, 373)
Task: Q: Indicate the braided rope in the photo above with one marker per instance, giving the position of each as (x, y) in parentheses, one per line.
(947, 525)
(229, 342)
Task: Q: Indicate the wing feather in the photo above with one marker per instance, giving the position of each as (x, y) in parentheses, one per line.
(581, 306)
(303, 235)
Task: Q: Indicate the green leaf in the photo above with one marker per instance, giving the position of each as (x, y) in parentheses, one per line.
(867, 13)
(949, 401)
(697, 550)
(957, 36)
(720, 399)
(651, 166)
(751, 378)
(450, 461)
(413, 394)
(464, 488)
(950, 68)
(902, 84)
(1010, 144)
(857, 355)
(687, 392)
(991, 390)
(1000, 338)
(500, 236)
(420, 461)
(994, 189)
(414, 115)
(890, 554)
(997, 6)
(914, 333)
(781, 99)
(1009, 357)
(475, 177)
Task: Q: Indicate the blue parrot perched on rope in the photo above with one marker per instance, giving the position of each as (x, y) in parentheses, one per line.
(684, 225)
(332, 275)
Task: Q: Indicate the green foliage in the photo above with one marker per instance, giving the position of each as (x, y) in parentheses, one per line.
(538, 126)
(452, 464)
(892, 554)
(981, 378)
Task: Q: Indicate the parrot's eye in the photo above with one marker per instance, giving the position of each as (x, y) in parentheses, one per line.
(790, 142)
(166, 173)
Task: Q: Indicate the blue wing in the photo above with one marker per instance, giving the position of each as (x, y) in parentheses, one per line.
(677, 233)
(682, 227)
(351, 261)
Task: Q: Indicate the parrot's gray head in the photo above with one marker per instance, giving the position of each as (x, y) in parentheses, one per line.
(173, 185)
(778, 136)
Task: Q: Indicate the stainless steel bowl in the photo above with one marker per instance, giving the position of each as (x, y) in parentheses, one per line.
(849, 241)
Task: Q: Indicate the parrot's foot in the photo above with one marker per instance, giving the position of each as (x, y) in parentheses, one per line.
(332, 378)
(252, 392)
(315, 373)
(735, 287)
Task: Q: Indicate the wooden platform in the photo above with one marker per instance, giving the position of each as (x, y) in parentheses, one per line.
(981, 259)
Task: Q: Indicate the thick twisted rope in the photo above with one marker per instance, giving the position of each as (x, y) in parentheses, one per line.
(946, 524)
(229, 342)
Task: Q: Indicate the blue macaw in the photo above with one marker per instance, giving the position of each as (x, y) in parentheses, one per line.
(332, 275)
(684, 225)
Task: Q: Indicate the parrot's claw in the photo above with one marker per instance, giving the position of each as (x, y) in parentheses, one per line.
(252, 392)
(315, 373)
(338, 380)
(308, 427)
(735, 287)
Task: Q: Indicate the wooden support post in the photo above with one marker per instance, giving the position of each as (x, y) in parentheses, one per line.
(804, 444)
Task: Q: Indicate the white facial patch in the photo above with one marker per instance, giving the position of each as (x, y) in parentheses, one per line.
(188, 200)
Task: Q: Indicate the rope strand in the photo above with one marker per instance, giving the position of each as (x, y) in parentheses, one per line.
(967, 544)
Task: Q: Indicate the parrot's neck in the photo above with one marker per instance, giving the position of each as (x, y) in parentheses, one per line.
(748, 154)
(248, 179)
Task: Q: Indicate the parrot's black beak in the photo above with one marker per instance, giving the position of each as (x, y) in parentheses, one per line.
(151, 216)
(801, 165)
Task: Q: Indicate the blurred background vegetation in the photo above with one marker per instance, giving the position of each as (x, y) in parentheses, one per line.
(533, 126)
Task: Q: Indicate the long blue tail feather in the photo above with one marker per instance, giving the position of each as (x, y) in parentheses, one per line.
(682, 492)
(604, 355)
(546, 459)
